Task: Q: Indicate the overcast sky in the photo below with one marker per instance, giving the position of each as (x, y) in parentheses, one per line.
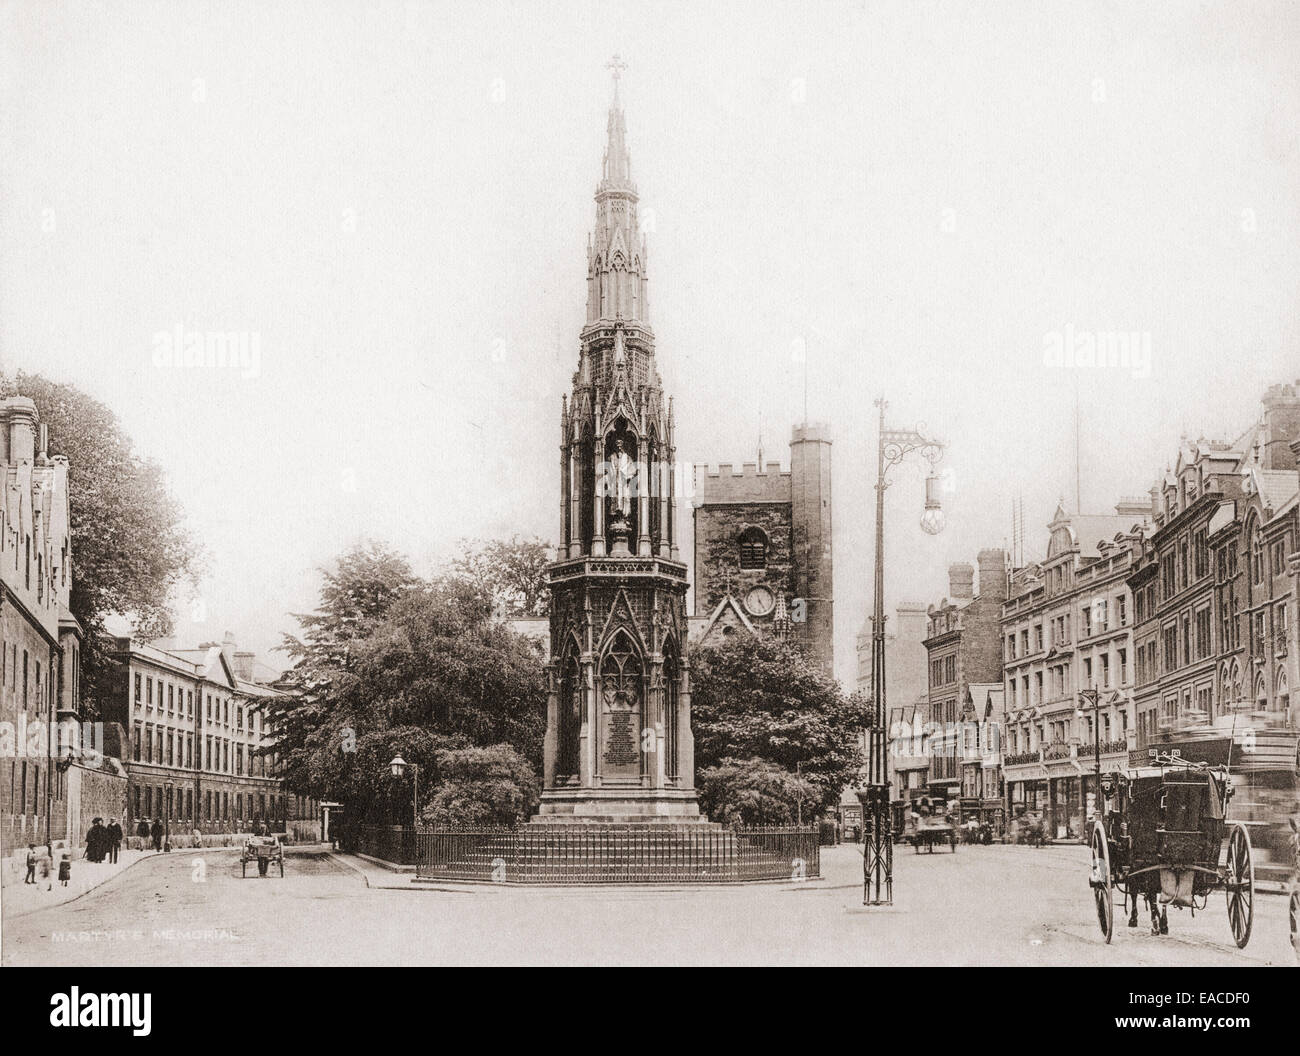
(393, 200)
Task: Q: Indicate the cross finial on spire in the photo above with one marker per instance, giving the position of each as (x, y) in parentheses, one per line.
(616, 66)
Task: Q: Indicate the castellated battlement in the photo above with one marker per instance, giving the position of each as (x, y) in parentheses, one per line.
(751, 483)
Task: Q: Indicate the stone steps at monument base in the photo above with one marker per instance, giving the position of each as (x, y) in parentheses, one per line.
(616, 854)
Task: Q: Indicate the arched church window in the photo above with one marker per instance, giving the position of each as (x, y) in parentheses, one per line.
(753, 548)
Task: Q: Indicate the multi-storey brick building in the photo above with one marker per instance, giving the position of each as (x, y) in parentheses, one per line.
(963, 652)
(1173, 592)
(1254, 542)
(63, 773)
(198, 739)
(1067, 627)
(38, 637)
(1215, 596)
(763, 548)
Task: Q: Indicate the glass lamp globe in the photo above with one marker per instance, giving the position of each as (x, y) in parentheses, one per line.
(932, 520)
(397, 766)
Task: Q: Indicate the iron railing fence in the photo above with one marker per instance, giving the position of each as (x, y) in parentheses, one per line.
(619, 854)
(391, 843)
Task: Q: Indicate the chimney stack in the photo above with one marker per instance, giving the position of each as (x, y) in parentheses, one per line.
(993, 573)
(961, 581)
(1281, 426)
(21, 419)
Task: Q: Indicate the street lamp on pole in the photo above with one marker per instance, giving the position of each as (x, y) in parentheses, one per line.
(893, 445)
(167, 816)
(1092, 696)
(398, 767)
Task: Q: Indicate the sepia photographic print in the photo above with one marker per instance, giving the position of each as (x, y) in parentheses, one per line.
(658, 483)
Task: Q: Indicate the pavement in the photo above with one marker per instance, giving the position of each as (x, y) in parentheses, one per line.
(980, 906)
(17, 898)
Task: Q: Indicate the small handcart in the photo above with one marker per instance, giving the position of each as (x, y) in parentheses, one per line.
(264, 850)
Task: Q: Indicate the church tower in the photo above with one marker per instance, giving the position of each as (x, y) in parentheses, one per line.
(618, 737)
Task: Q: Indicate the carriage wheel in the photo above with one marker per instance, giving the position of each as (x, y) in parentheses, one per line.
(1099, 880)
(1240, 885)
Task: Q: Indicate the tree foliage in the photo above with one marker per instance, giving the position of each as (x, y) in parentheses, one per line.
(391, 664)
(130, 553)
(755, 792)
(760, 699)
(512, 572)
(483, 786)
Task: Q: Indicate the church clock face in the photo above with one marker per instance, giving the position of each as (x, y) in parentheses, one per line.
(759, 601)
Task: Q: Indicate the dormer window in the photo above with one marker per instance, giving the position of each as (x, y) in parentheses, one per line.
(753, 548)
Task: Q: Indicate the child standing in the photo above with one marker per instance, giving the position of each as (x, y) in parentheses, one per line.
(65, 869)
(30, 878)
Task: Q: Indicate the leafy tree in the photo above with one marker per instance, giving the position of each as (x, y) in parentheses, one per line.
(512, 572)
(130, 554)
(393, 664)
(754, 792)
(317, 723)
(483, 786)
(760, 699)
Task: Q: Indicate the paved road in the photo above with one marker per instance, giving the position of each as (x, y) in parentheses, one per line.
(982, 905)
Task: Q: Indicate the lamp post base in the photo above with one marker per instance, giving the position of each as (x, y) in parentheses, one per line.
(877, 847)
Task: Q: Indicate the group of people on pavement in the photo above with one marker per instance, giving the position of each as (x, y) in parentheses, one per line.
(103, 841)
(151, 832)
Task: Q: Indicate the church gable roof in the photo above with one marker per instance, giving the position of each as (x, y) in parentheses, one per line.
(727, 613)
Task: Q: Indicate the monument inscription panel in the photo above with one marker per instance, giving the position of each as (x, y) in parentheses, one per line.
(620, 734)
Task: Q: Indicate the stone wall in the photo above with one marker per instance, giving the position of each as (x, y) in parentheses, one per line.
(717, 553)
(94, 792)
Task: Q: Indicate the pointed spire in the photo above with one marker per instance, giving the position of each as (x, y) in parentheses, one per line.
(618, 165)
(616, 255)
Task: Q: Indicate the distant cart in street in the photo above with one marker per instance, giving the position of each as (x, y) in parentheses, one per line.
(264, 850)
(928, 825)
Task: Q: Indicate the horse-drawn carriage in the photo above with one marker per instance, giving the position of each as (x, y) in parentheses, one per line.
(1161, 836)
(264, 850)
(927, 825)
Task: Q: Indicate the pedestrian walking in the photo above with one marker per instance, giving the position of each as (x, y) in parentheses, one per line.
(157, 833)
(96, 840)
(142, 830)
(30, 878)
(114, 840)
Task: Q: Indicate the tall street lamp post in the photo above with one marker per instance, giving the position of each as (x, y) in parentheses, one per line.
(893, 445)
(167, 819)
(1093, 700)
(398, 766)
